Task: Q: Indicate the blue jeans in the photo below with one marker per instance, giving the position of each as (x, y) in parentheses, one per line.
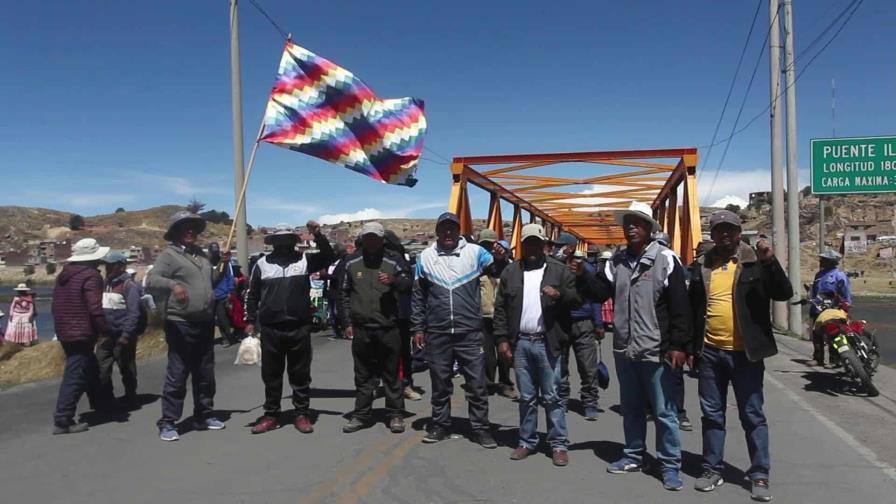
(642, 382)
(717, 369)
(538, 376)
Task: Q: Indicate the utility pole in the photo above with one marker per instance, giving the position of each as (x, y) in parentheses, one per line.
(779, 236)
(795, 314)
(821, 231)
(236, 104)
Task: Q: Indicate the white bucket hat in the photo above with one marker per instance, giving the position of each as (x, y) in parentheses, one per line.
(280, 230)
(22, 288)
(87, 249)
(640, 210)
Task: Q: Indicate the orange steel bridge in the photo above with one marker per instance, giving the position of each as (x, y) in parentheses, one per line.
(664, 178)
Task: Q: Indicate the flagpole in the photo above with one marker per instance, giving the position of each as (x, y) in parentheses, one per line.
(236, 103)
(242, 194)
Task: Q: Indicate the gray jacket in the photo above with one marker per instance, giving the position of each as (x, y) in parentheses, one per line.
(651, 311)
(175, 266)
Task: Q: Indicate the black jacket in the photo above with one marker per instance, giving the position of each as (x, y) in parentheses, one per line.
(756, 284)
(556, 312)
(279, 286)
(365, 301)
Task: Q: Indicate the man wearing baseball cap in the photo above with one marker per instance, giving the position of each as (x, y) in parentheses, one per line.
(374, 278)
(532, 311)
(651, 336)
(730, 293)
(80, 321)
(447, 319)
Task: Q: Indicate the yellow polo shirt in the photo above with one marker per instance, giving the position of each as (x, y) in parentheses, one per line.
(721, 331)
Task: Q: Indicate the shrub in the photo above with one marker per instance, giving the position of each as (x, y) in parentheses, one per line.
(75, 222)
(119, 210)
(28, 269)
(50, 268)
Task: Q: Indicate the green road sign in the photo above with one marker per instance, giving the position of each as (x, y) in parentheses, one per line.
(853, 165)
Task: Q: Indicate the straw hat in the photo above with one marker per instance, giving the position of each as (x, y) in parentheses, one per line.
(640, 210)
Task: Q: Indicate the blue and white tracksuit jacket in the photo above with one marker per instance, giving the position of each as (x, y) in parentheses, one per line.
(446, 289)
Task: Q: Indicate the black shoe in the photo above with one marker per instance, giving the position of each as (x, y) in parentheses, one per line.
(485, 439)
(435, 434)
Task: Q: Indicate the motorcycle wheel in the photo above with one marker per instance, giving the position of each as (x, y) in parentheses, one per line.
(873, 353)
(857, 369)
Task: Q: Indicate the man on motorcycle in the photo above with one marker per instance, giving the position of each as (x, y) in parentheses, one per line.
(830, 281)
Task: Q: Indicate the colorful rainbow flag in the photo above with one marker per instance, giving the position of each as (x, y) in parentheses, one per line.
(323, 110)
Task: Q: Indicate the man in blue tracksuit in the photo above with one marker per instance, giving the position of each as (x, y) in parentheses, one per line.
(446, 318)
(587, 325)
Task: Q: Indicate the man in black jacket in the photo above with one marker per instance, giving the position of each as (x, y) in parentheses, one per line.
(730, 293)
(532, 309)
(374, 278)
(279, 303)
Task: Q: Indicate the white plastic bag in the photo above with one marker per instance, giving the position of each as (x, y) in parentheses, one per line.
(249, 352)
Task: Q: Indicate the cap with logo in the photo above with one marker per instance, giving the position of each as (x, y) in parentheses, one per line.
(533, 231)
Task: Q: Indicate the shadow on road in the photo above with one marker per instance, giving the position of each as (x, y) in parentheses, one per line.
(321, 393)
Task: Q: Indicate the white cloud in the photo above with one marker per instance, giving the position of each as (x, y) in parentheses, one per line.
(738, 183)
(365, 214)
(730, 200)
(80, 200)
(180, 186)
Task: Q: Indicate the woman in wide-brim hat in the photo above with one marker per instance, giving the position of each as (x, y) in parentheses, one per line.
(21, 328)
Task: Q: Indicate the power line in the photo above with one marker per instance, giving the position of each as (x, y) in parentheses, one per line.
(799, 74)
(434, 153)
(740, 60)
(824, 32)
(742, 104)
(269, 18)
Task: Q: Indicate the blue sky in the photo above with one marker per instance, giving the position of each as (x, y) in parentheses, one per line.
(109, 104)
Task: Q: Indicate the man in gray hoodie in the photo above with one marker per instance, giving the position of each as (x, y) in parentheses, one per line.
(182, 280)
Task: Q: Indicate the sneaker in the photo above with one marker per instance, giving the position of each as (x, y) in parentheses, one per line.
(265, 424)
(354, 425)
(70, 429)
(815, 363)
(485, 439)
(396, 425)
(210, 423)
(672, 481)
(624, 465)
(303, 424)
(708, 481)
(649, 417)
(434, 435)
(411, 395)
(591, 413)
(684, 423)
(760, 491)
(168, 433)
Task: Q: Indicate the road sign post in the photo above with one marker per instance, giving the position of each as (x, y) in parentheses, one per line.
(853, 165)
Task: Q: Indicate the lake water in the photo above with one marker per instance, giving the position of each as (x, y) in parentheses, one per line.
(44, 298)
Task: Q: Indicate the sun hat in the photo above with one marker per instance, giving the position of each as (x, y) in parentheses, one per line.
(533, 231)
(86, 250)
(606, 254)
(22, 288)
(374, 228)
(115, 257)
(280, 230)
(183, 217)
(724, 217)
(131, 271)
(640, 210)
(830, 255)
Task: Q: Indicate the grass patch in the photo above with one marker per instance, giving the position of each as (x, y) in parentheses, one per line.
(46, 360)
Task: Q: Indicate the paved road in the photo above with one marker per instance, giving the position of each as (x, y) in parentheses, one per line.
(814, 459)
(881, 319)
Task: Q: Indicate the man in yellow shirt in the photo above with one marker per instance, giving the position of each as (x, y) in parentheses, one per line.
(730, 295)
